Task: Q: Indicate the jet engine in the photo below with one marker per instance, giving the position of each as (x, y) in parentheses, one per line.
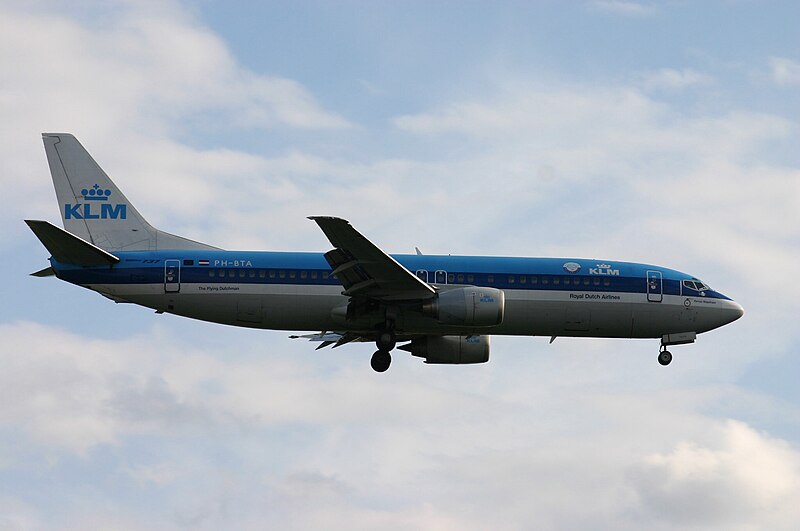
(467, 306)
(454, 350)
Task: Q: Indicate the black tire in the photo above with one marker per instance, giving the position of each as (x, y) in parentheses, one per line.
(380, 361)
(386, 340)
(665, 357)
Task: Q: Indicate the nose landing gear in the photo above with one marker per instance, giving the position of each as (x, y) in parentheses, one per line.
(664, 357)
(682, 338)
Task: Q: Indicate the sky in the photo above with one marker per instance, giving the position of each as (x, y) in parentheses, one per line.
(656, 132)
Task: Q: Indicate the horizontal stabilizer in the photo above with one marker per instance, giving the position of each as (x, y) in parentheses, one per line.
(68, 248)
(46, 272)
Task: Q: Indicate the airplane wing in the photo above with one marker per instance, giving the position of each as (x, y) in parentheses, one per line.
(364, 269)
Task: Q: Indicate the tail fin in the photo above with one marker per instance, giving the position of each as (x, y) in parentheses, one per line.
(94, 209)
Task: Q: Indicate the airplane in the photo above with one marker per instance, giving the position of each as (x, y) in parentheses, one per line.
(443, 308)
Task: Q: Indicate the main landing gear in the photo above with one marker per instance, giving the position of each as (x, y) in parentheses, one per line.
(386, 340)
(664, 357)
(380, 361)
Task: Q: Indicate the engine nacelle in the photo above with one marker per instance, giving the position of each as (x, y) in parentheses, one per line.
(468, 306)
(455, 350)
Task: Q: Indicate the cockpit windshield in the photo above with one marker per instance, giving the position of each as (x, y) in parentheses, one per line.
(696, 285)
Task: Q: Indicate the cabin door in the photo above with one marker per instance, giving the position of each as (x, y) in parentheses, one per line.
(172, 276)
(655, 286)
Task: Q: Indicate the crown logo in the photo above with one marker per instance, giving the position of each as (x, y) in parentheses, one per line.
(95, 193)
(604, 266)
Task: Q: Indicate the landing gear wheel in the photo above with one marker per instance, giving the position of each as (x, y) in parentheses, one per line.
(380, 361)
(386, 340)
(664, 357)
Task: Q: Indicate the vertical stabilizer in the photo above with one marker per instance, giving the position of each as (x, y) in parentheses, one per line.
(94, 209)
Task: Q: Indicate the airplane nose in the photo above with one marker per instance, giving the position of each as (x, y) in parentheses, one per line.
(733, 310)
(722, 313)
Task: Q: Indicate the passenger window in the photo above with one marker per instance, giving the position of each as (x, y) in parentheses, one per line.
(606, 282)
(262, 273)
(212, 272)
(534, 280)
(470, 278)
(596, 281)
(292, 274)
(511, 279)
(523, 279)
(586, 281)
(241, 273)
(460, 278)
(325, 275)
(303, 274)
(450, 278)
(231, 273)
(271, 273)
(556, 280)
(282, 274)
(251, 273)
(490, 279)
(314, 274)
(545, 280)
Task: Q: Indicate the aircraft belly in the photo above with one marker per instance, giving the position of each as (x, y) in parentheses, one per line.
(277, 307)
(611, 315)
(527, 312)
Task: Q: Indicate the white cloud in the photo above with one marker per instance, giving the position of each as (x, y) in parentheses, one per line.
(743, 480)
(785, 72)
(76, 392)
(263, 432)
(640, 152)
(124, 86)
(254, 429)
(623, 7)
(160, 474)
(672, 79)
(16, 515)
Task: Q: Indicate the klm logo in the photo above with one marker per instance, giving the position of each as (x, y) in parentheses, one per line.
(96, 206)
(604, 269)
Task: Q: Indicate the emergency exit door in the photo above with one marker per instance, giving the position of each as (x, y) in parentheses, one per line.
(172, 276)
(655, 286)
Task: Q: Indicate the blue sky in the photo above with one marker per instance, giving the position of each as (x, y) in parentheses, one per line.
(660, 132)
